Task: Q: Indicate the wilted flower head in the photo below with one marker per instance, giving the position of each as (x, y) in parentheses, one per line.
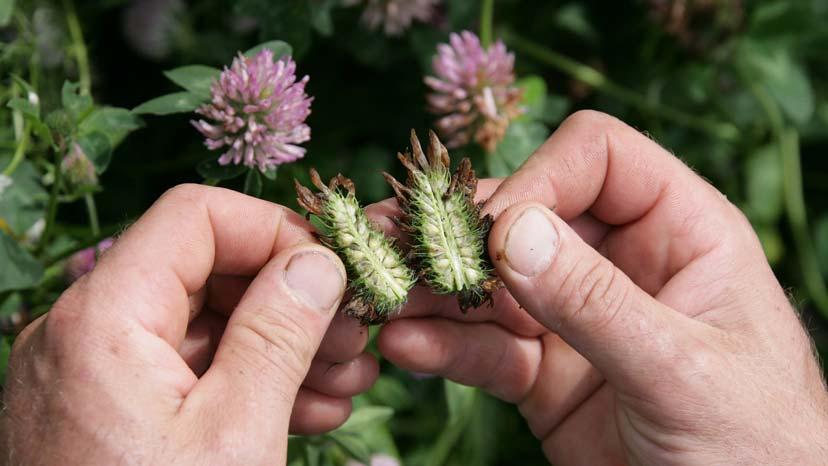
(78, 169)
(473, 91)
(395, 16)
(83, 261)
(258, 111)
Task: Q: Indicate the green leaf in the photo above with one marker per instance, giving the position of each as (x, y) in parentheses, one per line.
(96, 146)
(23, 202)
(6, 10)
(555, 109)
(534, 95)
(320, 11)
(115, 123)
(521, 140)
(771, 241)
(253, 183)
(366, 417)
(572, 17)
(195, 78)
(271, 173)
(764, 185)
(458, 399)
(210, 168)
(278, 47)
(353, 444)
(20, 270)
(77, 105)
(785, 79)
(388, 391)
(26, 107)
(178, 102)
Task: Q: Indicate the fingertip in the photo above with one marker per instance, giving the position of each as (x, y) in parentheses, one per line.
(315, 413)
(343, 380)
(345, 339)
(414, 344)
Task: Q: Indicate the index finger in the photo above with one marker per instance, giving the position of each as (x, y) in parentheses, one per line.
(594, 162)
(666, 215)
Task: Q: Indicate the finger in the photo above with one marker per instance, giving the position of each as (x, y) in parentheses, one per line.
(201, 341)
(544, 376)
(343, 379)
(505, 311)
(315, 413)
(270, 341)
(571, 289)
(483, 355)
(596, 163)
(345, 339)
(167, 255)
(594, 420)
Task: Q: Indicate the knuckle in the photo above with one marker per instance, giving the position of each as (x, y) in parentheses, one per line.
(588, 118)
(187, 193)
(696, 366)
(596, 297)
(276, 342)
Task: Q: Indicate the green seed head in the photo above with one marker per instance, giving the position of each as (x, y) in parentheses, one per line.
(448, 234)
(379, 279)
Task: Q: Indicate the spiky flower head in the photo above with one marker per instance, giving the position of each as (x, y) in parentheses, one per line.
(78, 169)
(448, 235)
(83, 261)
(473, 91)
(394, 16)
(378, 277)
(258, 112)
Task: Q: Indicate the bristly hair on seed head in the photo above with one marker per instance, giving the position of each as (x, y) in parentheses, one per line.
(378, 278)
(448, 246)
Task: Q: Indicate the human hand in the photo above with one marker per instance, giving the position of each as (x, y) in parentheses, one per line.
(654, 330)
(191, 342)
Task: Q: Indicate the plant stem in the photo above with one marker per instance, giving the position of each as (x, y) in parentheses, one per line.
(603, 84)
(19, 152)
(788, 141)
(53, 205)
(486, 20)
(92, 210)
(79, 47)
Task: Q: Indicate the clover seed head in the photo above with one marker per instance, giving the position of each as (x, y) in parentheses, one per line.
(448, 234)
(378, 277)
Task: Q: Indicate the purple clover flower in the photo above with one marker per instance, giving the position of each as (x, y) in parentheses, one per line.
(473, 91)
(258, 112)
(395, 16)
(83, 261)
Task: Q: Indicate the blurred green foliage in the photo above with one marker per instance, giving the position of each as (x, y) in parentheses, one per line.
(737, 89)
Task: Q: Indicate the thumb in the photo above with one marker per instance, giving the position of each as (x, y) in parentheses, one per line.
(270, 341)
(577, 293)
